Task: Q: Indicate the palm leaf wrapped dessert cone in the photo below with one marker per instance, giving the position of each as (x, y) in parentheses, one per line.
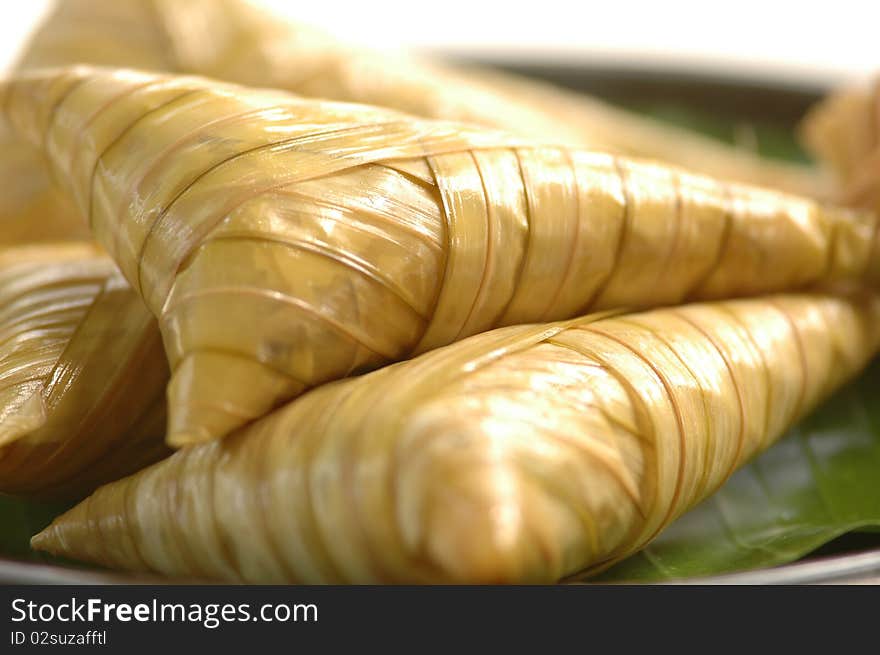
(284, 242)
(82, 373)
(525, 454)
(233, 40)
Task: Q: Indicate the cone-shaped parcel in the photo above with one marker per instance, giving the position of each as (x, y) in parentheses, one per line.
(525, 454)
(284, 242)
(233, 40)
(82, 373)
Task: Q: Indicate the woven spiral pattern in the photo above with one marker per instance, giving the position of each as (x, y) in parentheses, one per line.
(360, 236)
(525, 454)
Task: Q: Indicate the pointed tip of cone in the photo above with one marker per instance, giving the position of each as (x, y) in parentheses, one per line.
(97, 530)
(213, 394)
(42, 540)
(66, 536)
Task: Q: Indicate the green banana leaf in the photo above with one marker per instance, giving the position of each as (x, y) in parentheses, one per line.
(821, 481)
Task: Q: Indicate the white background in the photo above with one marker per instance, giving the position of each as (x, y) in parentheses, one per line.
(823, 41)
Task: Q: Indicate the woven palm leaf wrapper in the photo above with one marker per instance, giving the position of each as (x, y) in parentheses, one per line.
(843, 132)
(233, 40)
(525, 454)
(82, 373)
(361, 236)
